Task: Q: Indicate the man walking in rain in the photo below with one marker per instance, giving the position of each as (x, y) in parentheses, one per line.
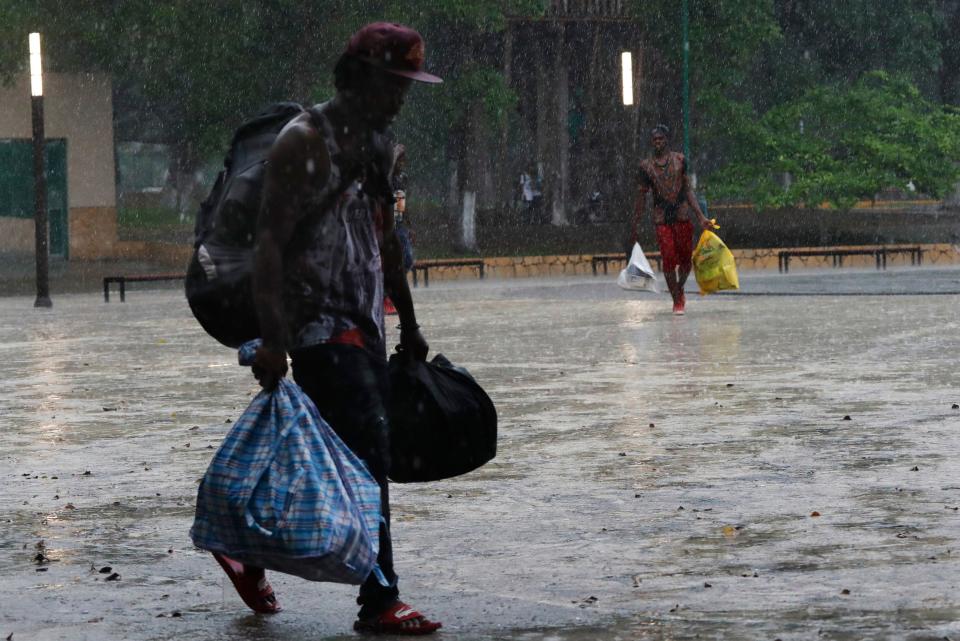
(665, 177)
(326, 251)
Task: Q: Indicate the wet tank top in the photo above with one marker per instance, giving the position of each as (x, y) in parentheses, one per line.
(333, 280)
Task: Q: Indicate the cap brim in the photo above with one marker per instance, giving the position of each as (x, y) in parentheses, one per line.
(419, 76)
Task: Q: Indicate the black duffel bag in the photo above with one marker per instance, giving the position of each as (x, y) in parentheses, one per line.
(442, 423)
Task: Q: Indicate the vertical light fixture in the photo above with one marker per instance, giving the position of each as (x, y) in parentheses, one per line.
(626, 65)
(36, 66)
(39, 175)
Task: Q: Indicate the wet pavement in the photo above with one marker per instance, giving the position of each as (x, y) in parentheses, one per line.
(657, 477)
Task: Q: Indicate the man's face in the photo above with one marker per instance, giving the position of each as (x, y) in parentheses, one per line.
(659, 142)
(383, 97)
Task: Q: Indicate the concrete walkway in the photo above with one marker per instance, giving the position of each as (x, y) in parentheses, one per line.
(765, 467)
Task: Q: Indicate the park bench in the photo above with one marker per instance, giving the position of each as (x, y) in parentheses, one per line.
(837, 254)
(603, 259)
(123, 280)
(439, 263)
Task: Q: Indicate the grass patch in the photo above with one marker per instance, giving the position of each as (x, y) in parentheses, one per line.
(155, 217)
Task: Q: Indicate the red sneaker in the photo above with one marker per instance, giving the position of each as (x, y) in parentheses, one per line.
(679, 305)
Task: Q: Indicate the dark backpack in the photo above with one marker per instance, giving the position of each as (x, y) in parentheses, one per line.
(219, 283)
(219, 276)
(442, 423)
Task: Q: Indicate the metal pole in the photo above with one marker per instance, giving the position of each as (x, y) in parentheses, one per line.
(686, 81)
(40, 207)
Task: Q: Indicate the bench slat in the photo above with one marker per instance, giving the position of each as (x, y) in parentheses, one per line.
(136, 278)
(426, 265)
(837, 253)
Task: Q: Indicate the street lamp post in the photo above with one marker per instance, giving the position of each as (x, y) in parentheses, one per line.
(39, 176)
(685, 19)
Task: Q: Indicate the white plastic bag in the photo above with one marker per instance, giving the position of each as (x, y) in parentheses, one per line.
(639, 275)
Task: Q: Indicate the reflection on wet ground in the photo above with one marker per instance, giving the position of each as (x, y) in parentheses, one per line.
(765, 467)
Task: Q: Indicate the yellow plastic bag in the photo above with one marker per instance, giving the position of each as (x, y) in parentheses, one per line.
(713, 265)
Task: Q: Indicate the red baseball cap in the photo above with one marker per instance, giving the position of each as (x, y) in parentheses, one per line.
(395, 48)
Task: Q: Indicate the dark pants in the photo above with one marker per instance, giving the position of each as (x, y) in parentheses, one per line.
(350, 389)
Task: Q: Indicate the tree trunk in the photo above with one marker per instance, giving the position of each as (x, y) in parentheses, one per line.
(562, 139)
(543, 110)
(504, 176)
(180, 190)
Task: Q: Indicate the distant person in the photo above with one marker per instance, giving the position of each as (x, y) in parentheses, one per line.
(665, 177)
(401, 215)
(325, 254)
(398, 182)
(532, 196)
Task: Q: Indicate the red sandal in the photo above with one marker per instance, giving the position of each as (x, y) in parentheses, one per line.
(255, 591)
(399, 619)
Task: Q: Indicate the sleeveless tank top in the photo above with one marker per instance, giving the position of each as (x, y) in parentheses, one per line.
(333, 280)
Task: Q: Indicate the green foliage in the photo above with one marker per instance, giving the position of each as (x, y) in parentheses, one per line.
(827, 42)
(187, 73)
(478, 85)
(839, 145)
(725, 37)
(476, 15)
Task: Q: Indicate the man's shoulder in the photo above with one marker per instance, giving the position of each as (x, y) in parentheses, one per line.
(299, 141)
(299, 132)
(299, 157)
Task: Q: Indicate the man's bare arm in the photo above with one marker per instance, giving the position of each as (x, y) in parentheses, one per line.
(297, 163)
(695, 206)
(395, 282)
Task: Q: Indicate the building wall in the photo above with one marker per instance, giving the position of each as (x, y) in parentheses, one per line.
(79, 108)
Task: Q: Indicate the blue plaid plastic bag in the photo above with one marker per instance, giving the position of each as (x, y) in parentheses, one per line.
(284, 493)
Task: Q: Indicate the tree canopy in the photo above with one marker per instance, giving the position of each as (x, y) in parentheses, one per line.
(186, 73)
(840, 144)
